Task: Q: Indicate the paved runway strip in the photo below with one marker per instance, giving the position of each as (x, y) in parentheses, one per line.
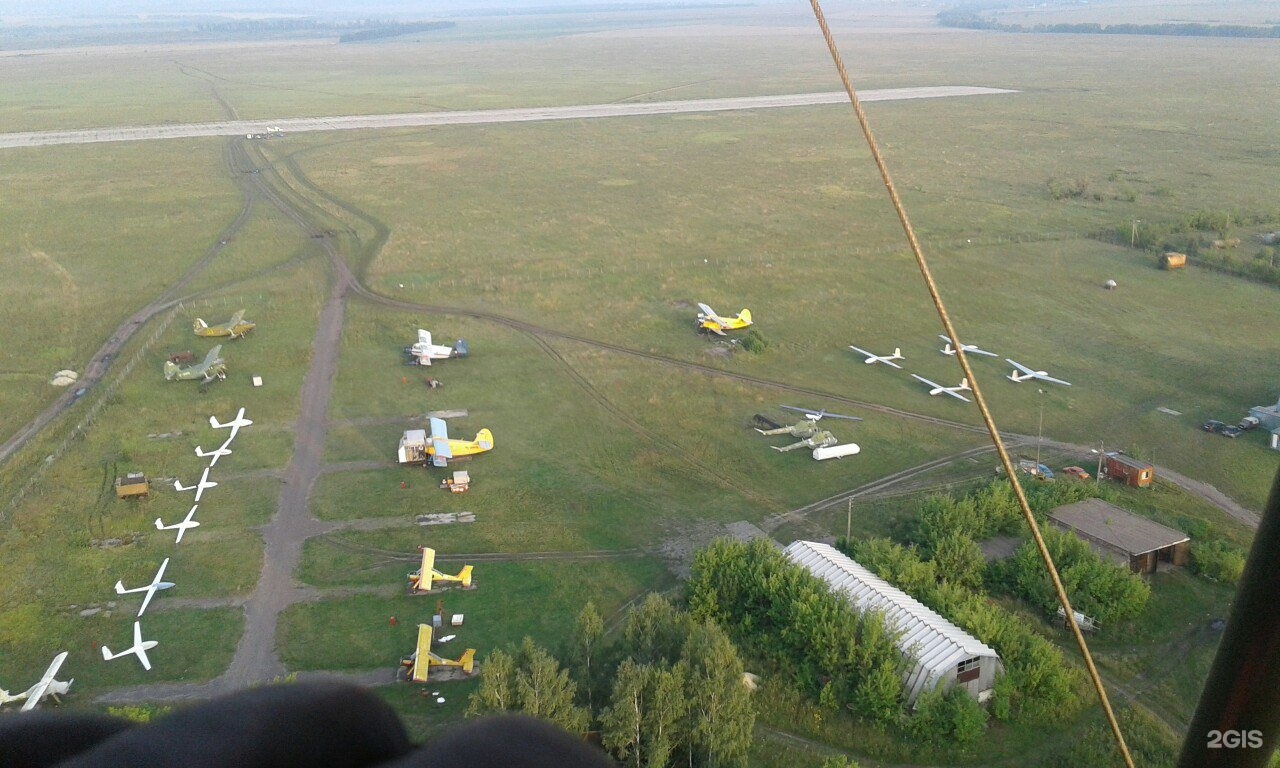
(474, 117)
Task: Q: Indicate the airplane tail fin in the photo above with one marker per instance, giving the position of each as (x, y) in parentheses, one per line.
(120, 587)
(485, 439)
(964, 383)
(464, 576)
(199, 326)
(170, 370)
(468, 660)
(106, 653)
(897, 353)
(745, 316)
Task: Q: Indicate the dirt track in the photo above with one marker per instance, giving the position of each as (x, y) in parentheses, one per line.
(473, 117)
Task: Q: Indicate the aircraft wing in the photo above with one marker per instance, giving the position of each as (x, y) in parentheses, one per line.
(1020, 367)
(977, 351)
(805, 411)
(236, 319)
(440, 443)
(708, 311)
(424, 337)
(1055, 381)
(212, 357)
(862, 352)
(956, 395)
(36, 692)
(926, 381)
(427, 572)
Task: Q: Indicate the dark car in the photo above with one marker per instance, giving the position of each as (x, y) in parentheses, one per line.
(1212, 426)
(1232, 431)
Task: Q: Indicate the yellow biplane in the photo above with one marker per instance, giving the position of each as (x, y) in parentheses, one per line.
(420, 663)
(416, 447)
(236, 327)
(425, 577)
(709, 321)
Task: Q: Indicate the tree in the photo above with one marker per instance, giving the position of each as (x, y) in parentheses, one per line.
(655, 631)
(721, 712)
(496, 692)
(622, 722)
(583, 647)
(956, 558)
(543, 689)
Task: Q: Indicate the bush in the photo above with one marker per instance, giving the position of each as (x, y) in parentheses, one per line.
(784, 613)
(1107, 592)
(754, 342)
(1217, 561)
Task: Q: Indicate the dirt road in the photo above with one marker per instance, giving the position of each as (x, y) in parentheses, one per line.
(474, 117)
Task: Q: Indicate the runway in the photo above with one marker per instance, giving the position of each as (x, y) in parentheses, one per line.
(474, 117)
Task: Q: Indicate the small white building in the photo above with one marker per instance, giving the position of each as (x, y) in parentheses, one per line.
(939, 653)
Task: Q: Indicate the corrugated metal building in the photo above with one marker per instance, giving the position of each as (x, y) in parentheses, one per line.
(1122, 536)
(939, 653)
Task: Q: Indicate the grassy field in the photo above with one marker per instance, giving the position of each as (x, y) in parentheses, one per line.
(95, 234)
(70, 539)
(611, 230)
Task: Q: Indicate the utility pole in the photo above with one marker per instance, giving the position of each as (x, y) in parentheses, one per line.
(1039, 429)
(848, 523)
(1102, 447)
(1133, 233)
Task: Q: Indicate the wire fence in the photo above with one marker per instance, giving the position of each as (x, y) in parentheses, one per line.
(101, 399)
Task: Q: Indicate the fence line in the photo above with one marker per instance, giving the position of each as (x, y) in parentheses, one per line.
(104, 394)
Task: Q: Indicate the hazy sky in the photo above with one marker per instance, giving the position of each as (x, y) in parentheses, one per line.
(347, 8)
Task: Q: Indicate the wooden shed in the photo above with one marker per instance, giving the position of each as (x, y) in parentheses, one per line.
(1173, 260)
(1134, 473)
(1122, 536)
(132, 484)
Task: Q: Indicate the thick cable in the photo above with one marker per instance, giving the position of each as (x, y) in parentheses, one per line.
(979, 400)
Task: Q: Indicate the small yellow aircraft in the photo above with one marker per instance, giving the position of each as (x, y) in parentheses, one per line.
(416, 447)
(708, 320)
(422, 659)
(426, 575)
(236, 327)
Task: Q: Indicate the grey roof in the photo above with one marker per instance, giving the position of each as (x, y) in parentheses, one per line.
(1129, 461)
(1107, 523)
(928, 639)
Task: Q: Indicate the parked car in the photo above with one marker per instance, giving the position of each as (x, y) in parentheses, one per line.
(1212, 425)
(1231, 431)
(1078, 473)
(1249, 422)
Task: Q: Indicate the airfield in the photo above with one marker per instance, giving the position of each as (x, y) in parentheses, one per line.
(570, 254)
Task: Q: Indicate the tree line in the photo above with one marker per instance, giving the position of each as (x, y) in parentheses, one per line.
(969, 19)
(670, 691)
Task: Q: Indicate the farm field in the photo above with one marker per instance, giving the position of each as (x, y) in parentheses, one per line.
(571, 256)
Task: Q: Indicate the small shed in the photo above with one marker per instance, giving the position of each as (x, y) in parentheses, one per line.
(1123, 537)
(939, 654)
(1268, 416)
(1173, 260)
(1134, 473)
(132, 484)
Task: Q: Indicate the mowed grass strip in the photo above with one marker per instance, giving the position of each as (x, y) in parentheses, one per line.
(511, 600)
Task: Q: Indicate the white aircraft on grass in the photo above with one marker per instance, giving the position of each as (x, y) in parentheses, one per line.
(425, 350)
(47, 686)
(970, 349)
(938, 389)
(235, 424)
(181, 527)
(151, 589)
(813, 415)
(199, 487)
(886, 359)
(1030, 374)
(139, 648)
(216, 453)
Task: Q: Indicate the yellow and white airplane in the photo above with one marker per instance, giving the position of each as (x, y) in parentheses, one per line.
(422, 660)
(708, 320)
(416, 447)
(426, 575)
(236, 327)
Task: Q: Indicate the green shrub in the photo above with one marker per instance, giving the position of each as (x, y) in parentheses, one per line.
(1217, 561)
